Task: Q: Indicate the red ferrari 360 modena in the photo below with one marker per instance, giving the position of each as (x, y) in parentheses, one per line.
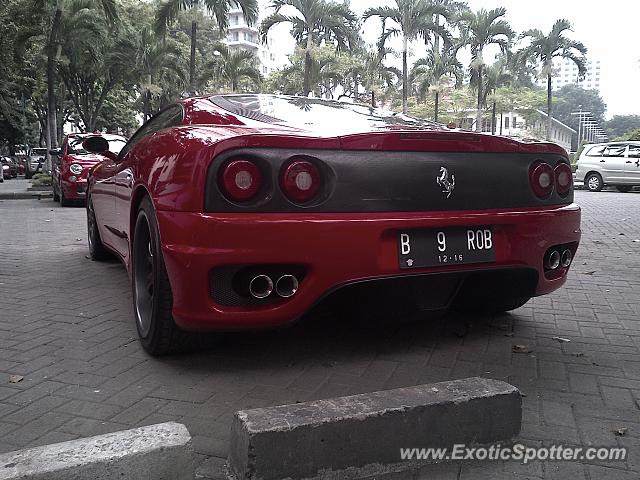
(72, 164)
(244, 211)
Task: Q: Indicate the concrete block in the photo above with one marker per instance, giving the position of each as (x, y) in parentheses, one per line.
(364, 433)
(156, 452)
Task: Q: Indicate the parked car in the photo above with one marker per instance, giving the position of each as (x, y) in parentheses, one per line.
(616, 164)
(34, 163)
(71, 165)
(237, 212)
(9, 168)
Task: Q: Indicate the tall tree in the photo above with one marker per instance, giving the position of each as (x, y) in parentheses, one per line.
(481, 29)
(169, 9)
(231, 66)
(55, 9)
(544, 48)
(434, 72)
(410, 19)
(313, 22)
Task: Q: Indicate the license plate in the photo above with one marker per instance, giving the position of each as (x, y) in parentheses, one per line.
(446, 246)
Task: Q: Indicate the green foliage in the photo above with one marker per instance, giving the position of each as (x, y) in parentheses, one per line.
(632, 135)
(621, 125)
(41, 180)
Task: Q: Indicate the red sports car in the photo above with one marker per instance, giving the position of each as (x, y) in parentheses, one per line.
(72, 164)
(244, 211)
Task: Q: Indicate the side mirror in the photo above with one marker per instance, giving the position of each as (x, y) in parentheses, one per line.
(55, 151)
(95, 144)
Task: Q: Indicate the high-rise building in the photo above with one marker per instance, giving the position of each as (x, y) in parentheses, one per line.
(242, 35)
(566, 72)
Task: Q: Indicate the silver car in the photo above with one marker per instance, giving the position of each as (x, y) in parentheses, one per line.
(616, 164)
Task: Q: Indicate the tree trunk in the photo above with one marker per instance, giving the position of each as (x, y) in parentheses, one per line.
(479, 106)
(435, 114)
(501, 123)
(373, 99)
(192, 60)
(549, 106)
(493, 119)
(404, 74)
(52, 52)
(145, 106)
(306, 87)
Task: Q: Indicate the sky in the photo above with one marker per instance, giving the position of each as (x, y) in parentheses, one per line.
(610, 31)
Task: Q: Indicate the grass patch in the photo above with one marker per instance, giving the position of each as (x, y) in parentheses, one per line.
(41, 180)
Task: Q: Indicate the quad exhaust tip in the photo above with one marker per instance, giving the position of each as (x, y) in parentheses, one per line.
(567, 256)
(261, 286)
(287, 286)
(553, 261)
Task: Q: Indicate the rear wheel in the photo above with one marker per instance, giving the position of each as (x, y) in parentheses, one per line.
(594, 182)
(152, 296)
(624, 188)
(97, 250)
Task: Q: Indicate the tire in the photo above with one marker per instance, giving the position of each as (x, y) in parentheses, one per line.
(594, 182)
(63, 201)
(624, 188)
(97, 250)
(493, 306)
(151, 291)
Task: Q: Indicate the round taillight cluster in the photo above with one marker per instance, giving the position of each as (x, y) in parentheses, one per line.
(240, 180)
(300, 181)
(564, 178)
(543, 179)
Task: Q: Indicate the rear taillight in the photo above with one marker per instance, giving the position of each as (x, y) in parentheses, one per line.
(240, 180)
(542, 179)
(564, 178)
(300, 181)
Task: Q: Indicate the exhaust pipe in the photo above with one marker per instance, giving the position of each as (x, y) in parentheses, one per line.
(553, 261)
(287, 286)
(260, 286)
(567, 256)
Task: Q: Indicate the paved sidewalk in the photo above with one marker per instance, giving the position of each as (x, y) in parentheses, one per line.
(66, 326)
(18, 188)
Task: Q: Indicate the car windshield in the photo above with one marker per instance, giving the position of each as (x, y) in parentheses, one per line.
(75, 145)
(315, 113)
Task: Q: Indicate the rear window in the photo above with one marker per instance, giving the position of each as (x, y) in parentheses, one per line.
(75, 145)
(315, 112)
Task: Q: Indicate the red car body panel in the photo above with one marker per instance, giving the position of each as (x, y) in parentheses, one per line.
(336, 249)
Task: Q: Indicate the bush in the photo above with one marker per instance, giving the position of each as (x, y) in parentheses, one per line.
(41, 180)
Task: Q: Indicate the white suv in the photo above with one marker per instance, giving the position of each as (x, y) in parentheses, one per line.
(615, 164)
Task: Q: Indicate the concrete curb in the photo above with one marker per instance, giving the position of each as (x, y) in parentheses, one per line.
(156, 452)
(36, 195)
(347, 437)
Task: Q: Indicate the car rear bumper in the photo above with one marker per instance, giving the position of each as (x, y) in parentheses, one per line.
(335, 250)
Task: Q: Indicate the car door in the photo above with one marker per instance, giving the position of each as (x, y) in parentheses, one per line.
(125, 175)
(632, 165)
(612, 162)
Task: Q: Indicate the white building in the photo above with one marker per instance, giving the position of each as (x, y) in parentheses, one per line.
(247, 37)
(566, 72)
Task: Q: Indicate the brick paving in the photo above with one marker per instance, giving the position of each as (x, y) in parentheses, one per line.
(66, 326)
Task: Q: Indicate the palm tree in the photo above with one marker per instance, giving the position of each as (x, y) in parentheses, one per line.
(52, 44)
(169, 9)
(544, 48)
(434, 72)
(312, 22)
(369, 70)
(154, 61)
(480, 29)
(493, 77)
(231, 66)
(411, 19)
